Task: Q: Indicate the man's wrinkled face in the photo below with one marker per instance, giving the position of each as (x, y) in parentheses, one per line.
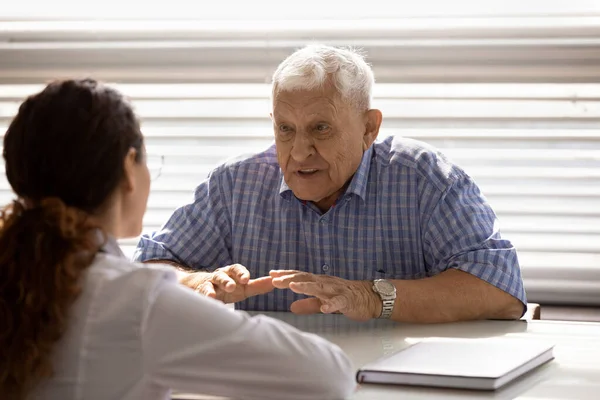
(320, 142)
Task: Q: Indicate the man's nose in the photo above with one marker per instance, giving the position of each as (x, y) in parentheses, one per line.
(303, 147)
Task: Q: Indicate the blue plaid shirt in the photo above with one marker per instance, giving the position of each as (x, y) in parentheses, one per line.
(408, 213)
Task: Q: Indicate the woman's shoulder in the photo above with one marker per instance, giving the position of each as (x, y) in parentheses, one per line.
(111, 267)
(116, 278)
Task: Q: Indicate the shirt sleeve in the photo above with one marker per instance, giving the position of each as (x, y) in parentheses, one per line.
(196, 235)
(462, 233)
(195, 344)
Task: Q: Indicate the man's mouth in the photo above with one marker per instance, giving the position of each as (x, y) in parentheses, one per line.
(308, 171)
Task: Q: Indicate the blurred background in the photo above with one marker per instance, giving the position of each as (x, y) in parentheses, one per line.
(510, 90)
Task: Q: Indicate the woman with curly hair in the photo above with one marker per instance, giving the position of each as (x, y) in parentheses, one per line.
(77, 319)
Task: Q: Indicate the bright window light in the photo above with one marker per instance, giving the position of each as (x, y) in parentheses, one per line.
(308, 9)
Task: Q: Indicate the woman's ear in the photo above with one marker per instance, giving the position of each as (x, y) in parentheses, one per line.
(373, 119)
(129, 164)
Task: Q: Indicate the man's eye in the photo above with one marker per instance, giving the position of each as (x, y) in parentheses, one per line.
(322, 127)
(284, 128)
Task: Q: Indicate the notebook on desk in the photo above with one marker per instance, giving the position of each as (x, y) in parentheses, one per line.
(479, 364)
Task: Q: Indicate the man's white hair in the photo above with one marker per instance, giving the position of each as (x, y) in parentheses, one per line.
(314, 66)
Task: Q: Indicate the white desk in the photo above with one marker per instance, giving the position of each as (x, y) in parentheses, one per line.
(574, 374)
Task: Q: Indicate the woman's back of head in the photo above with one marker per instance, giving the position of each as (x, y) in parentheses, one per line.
(68, 142)
(64, 155)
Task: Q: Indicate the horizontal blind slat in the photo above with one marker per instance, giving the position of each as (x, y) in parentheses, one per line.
(516, 105)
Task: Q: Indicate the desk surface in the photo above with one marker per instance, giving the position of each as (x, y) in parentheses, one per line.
(574, 374)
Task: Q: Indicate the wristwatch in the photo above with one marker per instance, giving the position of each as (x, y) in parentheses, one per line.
(387, 291)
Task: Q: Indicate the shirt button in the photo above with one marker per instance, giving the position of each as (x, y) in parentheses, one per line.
(324, 220)
(325, 267)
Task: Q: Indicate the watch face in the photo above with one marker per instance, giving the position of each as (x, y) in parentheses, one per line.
(384, 287)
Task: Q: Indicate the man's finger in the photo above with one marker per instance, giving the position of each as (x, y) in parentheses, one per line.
(207, 289)
(239, 273)
(311, 305)
(337, 303)
(276, 273)
(259, 286)
(317, 289)
(283, 282)
(223, 281)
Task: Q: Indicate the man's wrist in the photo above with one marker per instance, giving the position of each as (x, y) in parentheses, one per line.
(373, 300)
(181, 271)
(184, 273)
(176, 265)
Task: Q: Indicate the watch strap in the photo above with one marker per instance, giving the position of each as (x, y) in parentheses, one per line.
(387, 308)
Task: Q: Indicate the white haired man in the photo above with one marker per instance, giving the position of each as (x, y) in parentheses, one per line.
(341, 223)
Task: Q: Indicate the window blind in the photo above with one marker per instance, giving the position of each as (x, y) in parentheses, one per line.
(513, 100)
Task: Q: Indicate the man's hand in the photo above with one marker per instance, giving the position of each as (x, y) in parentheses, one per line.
(229, 284)
(354, 299)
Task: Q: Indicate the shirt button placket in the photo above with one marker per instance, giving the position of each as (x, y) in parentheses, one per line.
(325, 245)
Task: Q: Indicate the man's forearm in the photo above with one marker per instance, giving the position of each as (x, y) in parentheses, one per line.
(181, 270)
(451, 296)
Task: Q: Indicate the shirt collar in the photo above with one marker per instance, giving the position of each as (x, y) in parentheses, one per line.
(358, 184)
(111, 246)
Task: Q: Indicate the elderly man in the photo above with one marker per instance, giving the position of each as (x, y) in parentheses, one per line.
(338, 222)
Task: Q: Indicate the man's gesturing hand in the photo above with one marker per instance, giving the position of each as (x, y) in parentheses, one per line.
(229, 284)
(355, 299)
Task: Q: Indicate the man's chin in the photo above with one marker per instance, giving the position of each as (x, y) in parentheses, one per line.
(307, 197)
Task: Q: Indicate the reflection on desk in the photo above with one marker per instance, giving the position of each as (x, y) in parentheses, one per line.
(574, 374)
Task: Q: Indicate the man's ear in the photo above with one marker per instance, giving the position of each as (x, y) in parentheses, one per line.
(373, 120)
(128, 170)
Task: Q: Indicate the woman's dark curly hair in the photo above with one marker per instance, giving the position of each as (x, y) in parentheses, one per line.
(64, 154)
